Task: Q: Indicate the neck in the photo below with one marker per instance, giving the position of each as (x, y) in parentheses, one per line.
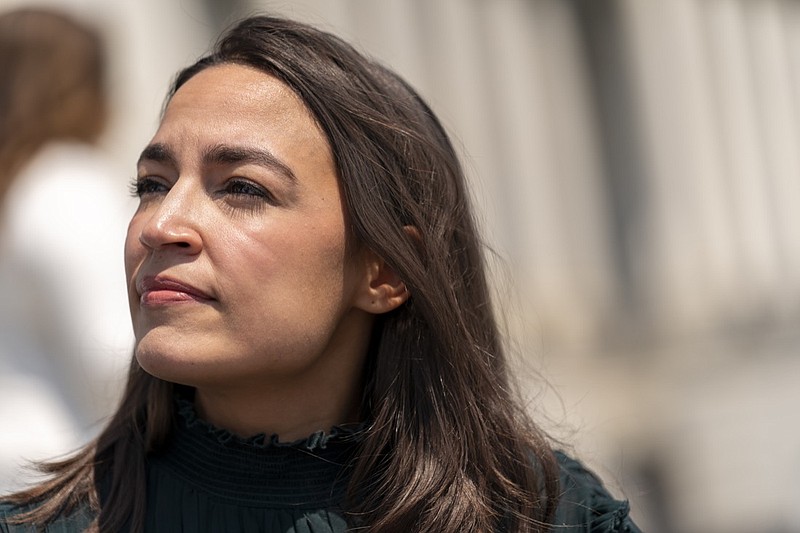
(293, 405)
(279, 410)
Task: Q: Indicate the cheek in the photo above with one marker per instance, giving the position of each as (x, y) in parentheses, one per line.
(319, 254)
(133, 248)
(311, 244)
(301, 266)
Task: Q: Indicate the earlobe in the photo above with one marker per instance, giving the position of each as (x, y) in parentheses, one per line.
(383, 291)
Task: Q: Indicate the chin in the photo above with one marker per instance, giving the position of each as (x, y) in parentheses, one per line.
(169, 361)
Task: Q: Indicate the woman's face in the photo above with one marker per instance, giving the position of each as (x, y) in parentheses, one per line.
(238, 263)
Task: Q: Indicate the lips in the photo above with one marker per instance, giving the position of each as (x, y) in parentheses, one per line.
(162, 290)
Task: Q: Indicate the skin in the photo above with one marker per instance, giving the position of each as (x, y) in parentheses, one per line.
(243, 281)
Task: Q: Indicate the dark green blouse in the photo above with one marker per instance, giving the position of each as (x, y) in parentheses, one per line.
(210, 480)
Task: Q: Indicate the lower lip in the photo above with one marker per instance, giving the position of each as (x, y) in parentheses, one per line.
(166, 297)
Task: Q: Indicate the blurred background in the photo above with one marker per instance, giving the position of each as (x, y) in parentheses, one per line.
(636, 168)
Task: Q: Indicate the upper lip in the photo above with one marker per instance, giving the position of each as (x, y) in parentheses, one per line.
(166, 283)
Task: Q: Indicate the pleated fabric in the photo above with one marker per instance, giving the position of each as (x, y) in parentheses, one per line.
(210, 480)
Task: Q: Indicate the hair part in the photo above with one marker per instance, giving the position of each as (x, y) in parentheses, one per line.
(450, 449)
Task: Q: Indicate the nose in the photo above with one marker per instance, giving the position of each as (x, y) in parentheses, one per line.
(173, 223)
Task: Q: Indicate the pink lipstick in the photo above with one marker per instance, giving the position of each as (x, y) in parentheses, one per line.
(161, 290)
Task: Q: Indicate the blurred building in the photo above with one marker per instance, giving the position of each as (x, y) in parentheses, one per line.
(636, 167)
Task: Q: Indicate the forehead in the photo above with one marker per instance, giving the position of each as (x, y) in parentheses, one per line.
(240, 103)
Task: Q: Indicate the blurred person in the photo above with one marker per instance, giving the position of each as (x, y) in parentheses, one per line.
(315, 343)
(64, 330)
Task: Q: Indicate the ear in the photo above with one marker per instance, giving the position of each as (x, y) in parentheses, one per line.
(383, 290)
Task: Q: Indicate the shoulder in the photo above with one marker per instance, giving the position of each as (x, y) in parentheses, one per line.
(75, 523)
(585, 505)
(72, 183)
(9, 511)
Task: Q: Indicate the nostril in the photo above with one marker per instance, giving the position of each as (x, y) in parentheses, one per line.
(170, 229)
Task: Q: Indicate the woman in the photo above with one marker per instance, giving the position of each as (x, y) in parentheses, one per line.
(304, 264)
(60, 363)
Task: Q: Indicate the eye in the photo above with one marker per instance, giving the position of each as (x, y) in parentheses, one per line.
(146, 185)
(246, 188)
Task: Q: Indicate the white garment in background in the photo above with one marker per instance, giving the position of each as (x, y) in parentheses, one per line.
(65, 333)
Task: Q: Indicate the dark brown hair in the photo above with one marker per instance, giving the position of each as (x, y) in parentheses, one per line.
(52, 85)
(449, 449)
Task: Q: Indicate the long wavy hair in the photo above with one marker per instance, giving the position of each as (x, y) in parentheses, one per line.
(52, 85)
(449, 449)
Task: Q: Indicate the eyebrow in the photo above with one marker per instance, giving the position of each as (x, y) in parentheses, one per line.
(222, 154)
(158, 153)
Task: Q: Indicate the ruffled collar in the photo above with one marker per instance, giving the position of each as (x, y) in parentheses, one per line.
(259, 470)
(316, 441)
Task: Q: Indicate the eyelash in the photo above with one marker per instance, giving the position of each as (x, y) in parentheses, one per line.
(240, 188)
(142, 186)
(247, 189)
